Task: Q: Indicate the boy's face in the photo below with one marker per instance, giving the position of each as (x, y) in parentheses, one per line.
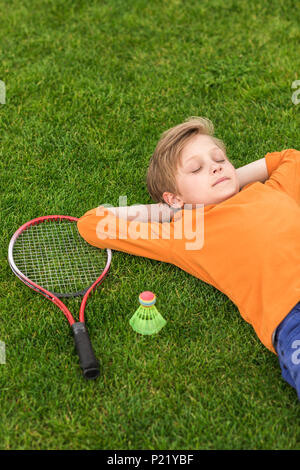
(202, 164)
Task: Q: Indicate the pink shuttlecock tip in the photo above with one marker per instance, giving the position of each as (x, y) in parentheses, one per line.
(147, 298)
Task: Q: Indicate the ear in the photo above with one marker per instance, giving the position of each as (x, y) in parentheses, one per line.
(173, 200)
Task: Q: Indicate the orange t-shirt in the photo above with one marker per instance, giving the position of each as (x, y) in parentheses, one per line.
(248, 246)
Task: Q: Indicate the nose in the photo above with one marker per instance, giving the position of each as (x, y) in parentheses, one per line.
(216, 167)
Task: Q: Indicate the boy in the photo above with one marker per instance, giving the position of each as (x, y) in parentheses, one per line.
(250, 229)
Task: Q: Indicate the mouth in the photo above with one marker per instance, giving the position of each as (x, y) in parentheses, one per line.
(221, 180)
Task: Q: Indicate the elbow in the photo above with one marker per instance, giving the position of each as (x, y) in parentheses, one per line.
(82, 226)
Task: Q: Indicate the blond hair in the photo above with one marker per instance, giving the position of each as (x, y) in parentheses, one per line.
(166, 157)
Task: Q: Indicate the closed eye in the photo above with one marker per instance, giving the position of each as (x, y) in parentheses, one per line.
(198, 169)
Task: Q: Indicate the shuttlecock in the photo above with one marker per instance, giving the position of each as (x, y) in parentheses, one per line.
(147, 320)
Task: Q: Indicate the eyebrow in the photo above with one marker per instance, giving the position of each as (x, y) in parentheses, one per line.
(210, 152)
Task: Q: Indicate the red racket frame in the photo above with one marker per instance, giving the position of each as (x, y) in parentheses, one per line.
(87, 358)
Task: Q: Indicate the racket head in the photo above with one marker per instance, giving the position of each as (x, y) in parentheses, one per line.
(49, 255)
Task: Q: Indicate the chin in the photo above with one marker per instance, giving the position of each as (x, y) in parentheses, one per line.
(230, 194)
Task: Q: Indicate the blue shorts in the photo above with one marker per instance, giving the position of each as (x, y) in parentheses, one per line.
(287, 346)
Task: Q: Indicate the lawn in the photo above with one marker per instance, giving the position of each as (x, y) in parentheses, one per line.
(90, 86)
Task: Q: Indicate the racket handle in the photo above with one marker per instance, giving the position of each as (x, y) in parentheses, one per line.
(87, 358)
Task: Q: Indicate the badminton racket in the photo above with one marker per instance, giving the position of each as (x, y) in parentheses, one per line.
(49, 256)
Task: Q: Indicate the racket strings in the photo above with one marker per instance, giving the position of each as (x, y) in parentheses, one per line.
(54, 255)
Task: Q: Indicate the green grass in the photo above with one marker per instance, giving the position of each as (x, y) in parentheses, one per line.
(90, 86)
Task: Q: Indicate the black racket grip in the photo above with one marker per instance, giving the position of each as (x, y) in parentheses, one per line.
(87, 358)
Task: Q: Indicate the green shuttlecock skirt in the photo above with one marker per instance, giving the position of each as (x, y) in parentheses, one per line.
(147, 320)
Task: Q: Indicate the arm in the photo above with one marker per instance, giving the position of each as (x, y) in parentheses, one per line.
(254, 171)
(102, 228)
(144, 212)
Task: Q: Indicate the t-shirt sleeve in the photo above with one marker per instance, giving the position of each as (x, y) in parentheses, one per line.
(103, 229)
(284, 172)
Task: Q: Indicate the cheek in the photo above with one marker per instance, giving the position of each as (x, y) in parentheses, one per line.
(232, 171)
(235, 180)
(184, 183)
(232, 168)
(235, 176)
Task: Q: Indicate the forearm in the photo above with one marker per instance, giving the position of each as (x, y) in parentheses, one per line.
(254, 171)
(144, 212)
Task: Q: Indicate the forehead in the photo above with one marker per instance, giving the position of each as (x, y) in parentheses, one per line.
(197, 145)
